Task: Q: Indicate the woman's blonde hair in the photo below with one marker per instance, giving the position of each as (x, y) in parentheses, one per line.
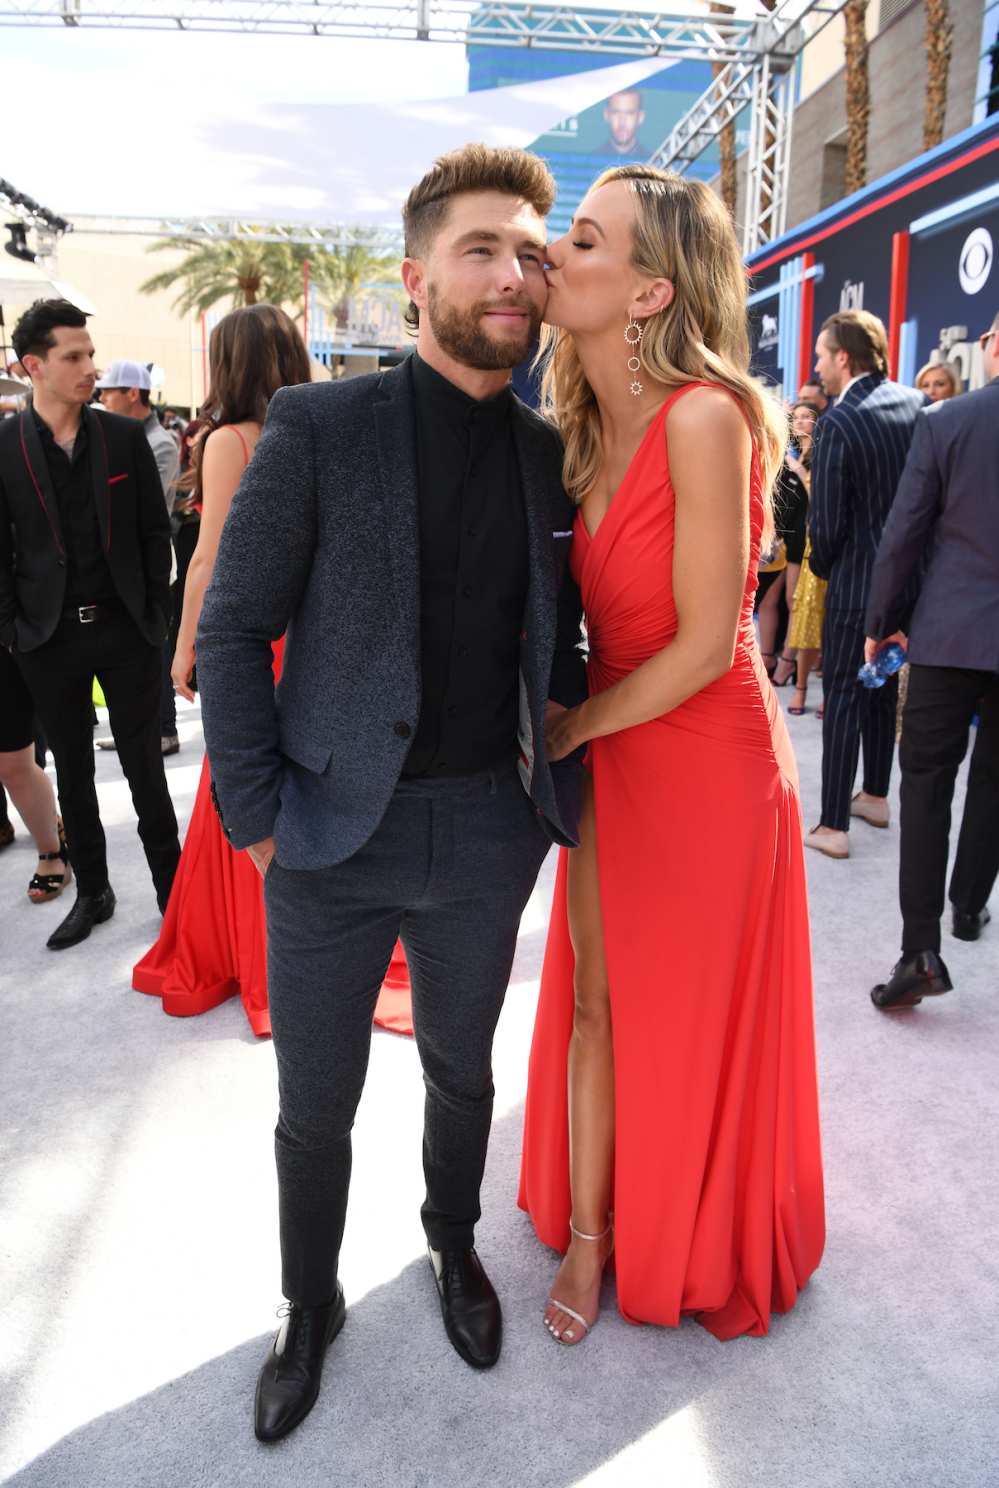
(682, 233)
(948, 368)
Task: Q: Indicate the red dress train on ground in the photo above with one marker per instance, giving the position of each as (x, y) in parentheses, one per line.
(213, 942)
(718, 1195)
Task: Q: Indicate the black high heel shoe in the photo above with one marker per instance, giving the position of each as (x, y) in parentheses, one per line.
(46, 886)
(790, 661)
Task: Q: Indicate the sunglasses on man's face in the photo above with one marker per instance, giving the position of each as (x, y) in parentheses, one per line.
(986, 337)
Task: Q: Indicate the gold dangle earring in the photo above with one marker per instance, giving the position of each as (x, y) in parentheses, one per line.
(633, 333)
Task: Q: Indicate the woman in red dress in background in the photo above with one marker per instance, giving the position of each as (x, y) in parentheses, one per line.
(213, 942)
(672, 1107)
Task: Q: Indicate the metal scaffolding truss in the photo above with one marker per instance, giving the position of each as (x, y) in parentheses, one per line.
(762, 79)
(632, 33)
(377, 241)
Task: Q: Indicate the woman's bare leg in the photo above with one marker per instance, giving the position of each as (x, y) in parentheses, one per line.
(785, 661)
(767, 616)
(591, 1091)
(31, 791)
(805, 660)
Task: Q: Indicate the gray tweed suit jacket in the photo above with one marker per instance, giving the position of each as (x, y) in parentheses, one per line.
(322, 545)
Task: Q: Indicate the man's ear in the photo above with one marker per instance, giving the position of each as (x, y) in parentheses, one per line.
(31, 364)
(414, 281)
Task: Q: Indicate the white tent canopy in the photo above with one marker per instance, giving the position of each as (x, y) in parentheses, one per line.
(22, 282)
(347, 163)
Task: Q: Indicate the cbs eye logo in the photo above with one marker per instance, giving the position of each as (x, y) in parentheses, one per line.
(975, 263)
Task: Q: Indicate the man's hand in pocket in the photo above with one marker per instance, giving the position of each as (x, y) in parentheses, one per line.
(261, 853)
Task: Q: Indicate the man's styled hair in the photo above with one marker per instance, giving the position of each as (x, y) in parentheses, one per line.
(863, 337)
(33, 334)
(459, 172)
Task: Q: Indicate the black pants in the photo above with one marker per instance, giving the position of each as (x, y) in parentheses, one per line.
(940, 705)
(60, 675)
(854, 716)
(168, 698)
(184, 545)
(450, 869)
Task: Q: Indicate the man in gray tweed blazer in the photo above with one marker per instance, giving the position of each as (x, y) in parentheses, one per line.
(409, 534)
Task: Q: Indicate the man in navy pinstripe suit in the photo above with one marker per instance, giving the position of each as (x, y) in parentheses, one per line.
(861, 445)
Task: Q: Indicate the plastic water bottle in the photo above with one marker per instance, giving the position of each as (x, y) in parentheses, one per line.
(887, 662)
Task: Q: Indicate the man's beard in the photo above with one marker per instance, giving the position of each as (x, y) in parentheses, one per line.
(460, 333)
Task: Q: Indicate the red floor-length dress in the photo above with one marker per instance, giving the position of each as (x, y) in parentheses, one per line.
(718, 1196)
(212, 945)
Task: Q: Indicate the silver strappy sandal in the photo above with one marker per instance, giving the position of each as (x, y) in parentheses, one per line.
(587, 1325)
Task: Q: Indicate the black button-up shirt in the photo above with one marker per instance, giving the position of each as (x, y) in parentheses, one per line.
(88, 578)
(473, 578)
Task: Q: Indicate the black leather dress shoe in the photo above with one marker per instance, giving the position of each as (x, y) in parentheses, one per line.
(88, 911)
(969, 926)
(469, 1306)
(289, 1382)
(920, 975)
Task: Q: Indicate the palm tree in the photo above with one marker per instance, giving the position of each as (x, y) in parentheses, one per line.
(240, 270)
(246, 272)
(939, 43)
(858, 95)
(726, 137)
(338, 273)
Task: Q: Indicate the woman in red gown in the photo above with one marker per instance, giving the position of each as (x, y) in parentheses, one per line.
(672, 1108)
(212, 945)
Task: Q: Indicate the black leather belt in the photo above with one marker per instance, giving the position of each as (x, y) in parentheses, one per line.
(87, 614)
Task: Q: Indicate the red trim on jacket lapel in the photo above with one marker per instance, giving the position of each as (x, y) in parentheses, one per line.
(97, 449)
(28, 435)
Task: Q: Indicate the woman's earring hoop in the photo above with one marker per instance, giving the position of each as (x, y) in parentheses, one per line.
(633, 333)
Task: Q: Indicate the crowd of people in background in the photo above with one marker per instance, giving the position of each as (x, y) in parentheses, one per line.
(885, 491)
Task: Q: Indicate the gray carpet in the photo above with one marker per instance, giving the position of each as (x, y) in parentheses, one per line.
(140, 1265)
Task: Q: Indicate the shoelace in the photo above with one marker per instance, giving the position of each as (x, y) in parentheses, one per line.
(292, 1360)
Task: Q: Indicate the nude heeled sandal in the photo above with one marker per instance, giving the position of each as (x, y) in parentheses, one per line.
(587, 1326)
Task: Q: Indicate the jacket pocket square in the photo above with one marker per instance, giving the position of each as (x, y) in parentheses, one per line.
(563, 534)
(114, 479)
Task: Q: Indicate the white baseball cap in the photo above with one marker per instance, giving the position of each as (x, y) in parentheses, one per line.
(126, 375)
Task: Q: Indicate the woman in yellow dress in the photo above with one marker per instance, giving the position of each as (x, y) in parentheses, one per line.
(808, 603)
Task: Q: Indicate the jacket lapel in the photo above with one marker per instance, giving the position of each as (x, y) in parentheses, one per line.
(37, 474)
(534, 476)
(395, 435)
(97, 452)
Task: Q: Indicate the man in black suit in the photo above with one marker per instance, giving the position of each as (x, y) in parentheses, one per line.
(861, 444)
(410, 532)
(84, 591)
(947, 507)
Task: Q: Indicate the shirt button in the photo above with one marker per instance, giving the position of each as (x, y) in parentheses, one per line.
(467, 591)
(472, 531)
(452, 711)
(462, 650)
(402, 729)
